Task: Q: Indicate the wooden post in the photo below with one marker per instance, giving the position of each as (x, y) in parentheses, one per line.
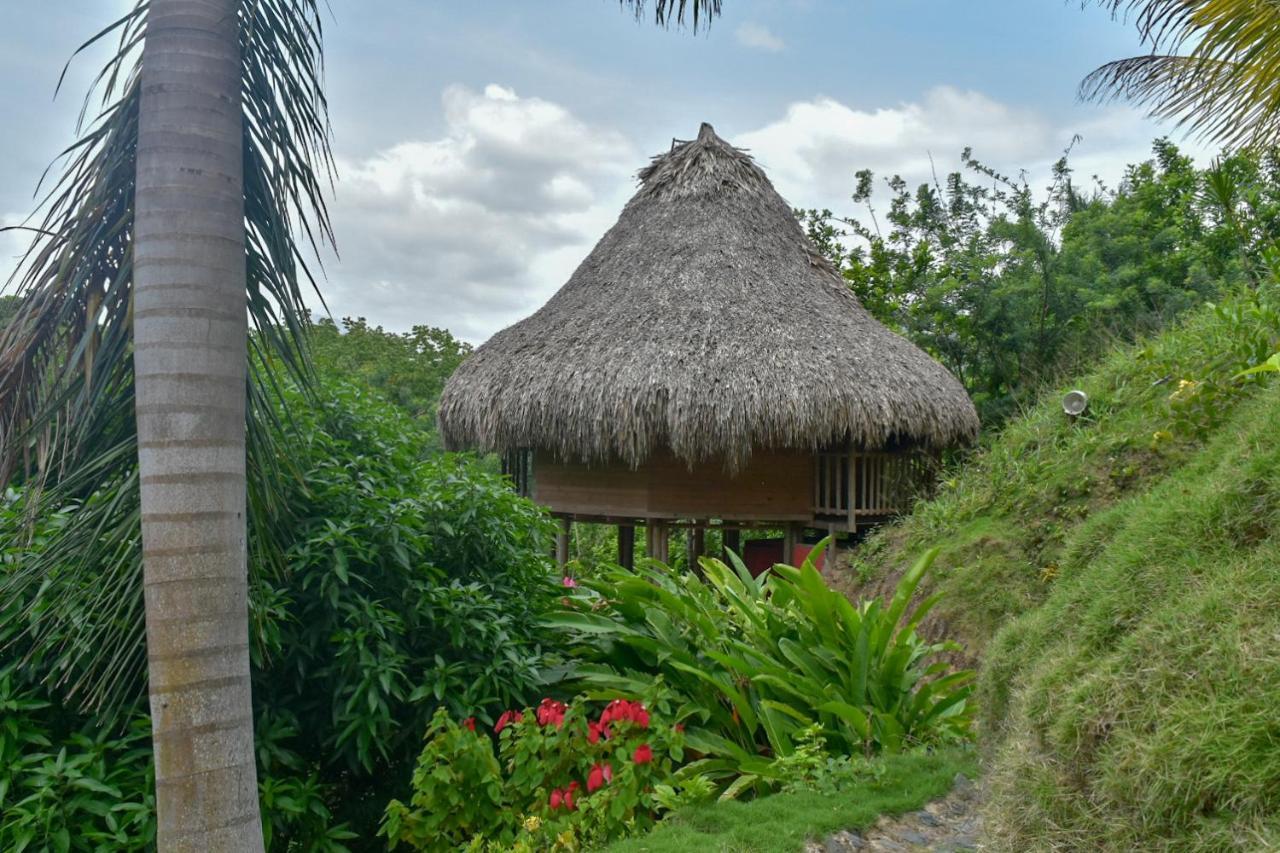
(853, 493)
(695, 546)
(562, 542)
(732, 542)
(788, 543)
(662, 541)
(627, 546)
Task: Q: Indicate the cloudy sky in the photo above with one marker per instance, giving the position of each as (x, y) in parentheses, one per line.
(484, 147)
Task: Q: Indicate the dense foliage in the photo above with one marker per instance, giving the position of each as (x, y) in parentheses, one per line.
(755, 663)
(409, 369)
(410, 584)
(1116, 573)
(1011, 289)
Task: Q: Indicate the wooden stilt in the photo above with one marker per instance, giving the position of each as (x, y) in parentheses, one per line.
(662, 541)
(732, 542)
(695, 544)
(627, 546)
(789, 540)
(562, 542)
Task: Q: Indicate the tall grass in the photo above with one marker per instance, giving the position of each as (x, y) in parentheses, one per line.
(1119, 576)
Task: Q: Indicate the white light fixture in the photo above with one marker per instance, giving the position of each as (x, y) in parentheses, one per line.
(1075, 402)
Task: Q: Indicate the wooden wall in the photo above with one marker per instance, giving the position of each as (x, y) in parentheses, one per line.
(774, 486)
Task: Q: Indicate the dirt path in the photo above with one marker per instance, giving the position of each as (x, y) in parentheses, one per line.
(948, 825)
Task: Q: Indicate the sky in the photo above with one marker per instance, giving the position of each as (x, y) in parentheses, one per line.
(484, 147)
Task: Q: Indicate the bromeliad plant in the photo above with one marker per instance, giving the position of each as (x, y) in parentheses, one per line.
(563, 777)
(755, 662)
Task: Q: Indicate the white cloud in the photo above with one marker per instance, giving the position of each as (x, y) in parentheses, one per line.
(759, 37)
(812, 152)
(475, 229)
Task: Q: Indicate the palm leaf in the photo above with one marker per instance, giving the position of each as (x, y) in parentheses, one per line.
(67, 433)
(666, 11)
(1214, 67)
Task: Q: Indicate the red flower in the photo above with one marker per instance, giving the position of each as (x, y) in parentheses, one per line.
(679, 728)
(595, 731)
(568, 796)
(551, 711)
(643, 754)
(507, 718)
(469, 723)
(620, 710)
(599, 776)
(568, 582)
(557, 797)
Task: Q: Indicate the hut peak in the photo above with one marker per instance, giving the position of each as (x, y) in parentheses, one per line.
(706, 163)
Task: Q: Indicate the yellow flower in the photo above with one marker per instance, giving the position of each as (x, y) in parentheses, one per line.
(532, 823)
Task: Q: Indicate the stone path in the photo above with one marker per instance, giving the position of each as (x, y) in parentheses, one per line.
(949, 825)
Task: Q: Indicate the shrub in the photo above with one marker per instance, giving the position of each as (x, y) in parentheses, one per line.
(65, 784)
(407, 584)
(564, 776)
(755, 662)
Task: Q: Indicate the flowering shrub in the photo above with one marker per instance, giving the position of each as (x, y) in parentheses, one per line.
(563, 776)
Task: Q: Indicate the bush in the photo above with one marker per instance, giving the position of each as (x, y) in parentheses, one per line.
(412, 584)
(408, 584)
(756, 662)
(68, 784)
(564, 776)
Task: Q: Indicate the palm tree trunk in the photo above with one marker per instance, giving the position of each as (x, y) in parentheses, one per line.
(190, 360)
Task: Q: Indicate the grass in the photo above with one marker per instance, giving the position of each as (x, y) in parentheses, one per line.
(781, 823)
(1118, 580)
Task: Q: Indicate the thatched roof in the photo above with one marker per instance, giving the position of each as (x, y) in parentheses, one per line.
(705, 322)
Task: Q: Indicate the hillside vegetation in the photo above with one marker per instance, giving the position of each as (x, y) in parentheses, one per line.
(1117, 578)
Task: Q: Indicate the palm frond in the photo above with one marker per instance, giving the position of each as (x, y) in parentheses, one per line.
(700, 12)
(1214, 67)
(67, 432)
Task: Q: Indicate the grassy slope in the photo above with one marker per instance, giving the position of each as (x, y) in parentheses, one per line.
(783, 822)
(1123, 595)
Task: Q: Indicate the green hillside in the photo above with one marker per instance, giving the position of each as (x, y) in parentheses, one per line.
(1118, 580)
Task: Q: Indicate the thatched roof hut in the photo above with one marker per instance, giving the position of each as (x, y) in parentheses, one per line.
(703, 327)
(704, 322)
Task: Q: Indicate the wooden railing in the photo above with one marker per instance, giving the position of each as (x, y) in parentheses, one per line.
(848, 486)
(518, 465)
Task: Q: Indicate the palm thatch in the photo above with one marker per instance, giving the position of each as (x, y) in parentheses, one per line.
(703, 322)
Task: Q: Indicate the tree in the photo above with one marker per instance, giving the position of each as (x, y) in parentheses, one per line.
(190, 336)
(1214, 67)
(409, 369)
(1011, 288)
(177, 209)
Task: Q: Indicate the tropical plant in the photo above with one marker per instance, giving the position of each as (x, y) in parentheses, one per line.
(1213, 66)
(753, 662)
(565, 776)
(174, 211)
